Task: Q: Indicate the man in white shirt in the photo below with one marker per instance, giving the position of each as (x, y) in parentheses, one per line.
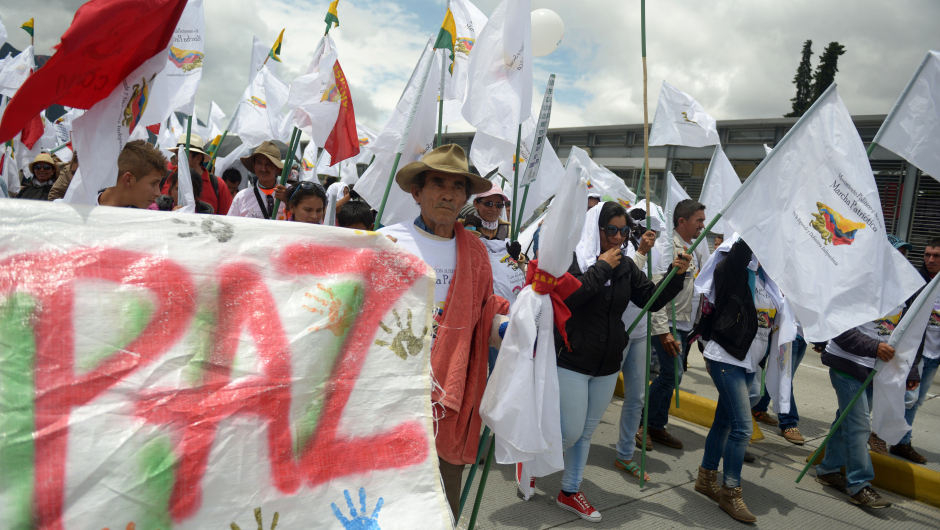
(258, 201)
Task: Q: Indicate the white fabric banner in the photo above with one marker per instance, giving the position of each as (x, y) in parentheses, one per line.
(912, 129)
(680, 120)
(401, 206)
(721, 181)
(259, 110)
(521, 402)
(106, 127)
(891, 380)
(469, 21)
(812, 214)
(202, 374)
(499, 92)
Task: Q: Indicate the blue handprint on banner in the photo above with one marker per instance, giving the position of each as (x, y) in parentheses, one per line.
(359, 521)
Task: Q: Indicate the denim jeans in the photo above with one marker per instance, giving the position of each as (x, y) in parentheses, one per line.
(634, 375)
(584, 399)
(787, 419)
(917, 396)
(731, 430)
(662, 387)
(848, 445)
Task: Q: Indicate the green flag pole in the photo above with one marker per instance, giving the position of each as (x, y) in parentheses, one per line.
(404, 137)
(288, 161)
(473, 469)
(440, 97)
(515, 184)
(486, 472)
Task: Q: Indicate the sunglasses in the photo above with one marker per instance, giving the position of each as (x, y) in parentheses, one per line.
(306, 186)
(611, 230)
(490, 204)
(42, 166)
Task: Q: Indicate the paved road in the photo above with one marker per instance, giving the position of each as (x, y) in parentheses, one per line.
(669, 500)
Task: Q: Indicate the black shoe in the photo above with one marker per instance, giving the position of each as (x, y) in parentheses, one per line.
(749, 458)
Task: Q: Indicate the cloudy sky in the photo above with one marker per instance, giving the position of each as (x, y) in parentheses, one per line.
(736, 57)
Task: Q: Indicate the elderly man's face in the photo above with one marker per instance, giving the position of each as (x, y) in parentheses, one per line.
(441, 197)
(490, 214)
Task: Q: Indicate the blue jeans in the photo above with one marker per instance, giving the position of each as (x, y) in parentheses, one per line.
(731, 430)
(847, 447)
(917, 396)
(634, 375)
(787, 419)
(584, 399)
(661, 388)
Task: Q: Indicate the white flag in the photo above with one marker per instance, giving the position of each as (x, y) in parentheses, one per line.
(346, 170)
(469, 21)
(216, 117)
(308, 163)
(3, 33)
(14, 71)
(259, 52)
(674, 194)
(521, 402)
(767, 150)
(259, 110)
(175, 86)
(812, 215)
(170, 132)
(891, 380)
(401, 206)
(185, 196)
(63, 126)
(315, 96)
(680, 120)
(100, 134)
(721, 181)
(499, 93)
(603, 181)
(8, 173)
(231, 160)
(912, 129)
(366, 137)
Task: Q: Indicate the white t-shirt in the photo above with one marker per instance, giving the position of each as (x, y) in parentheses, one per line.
(932, 340)
(440, 254)
(766, 318)
(245, 204)
(879, 330)
(508, 276)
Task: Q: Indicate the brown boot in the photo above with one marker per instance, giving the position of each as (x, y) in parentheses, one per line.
(877, 445)
(639, 437)
(707, 483)
(732, 503)
(662, 437)
(907, 451)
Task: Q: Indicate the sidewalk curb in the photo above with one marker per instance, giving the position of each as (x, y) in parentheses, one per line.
(695, 409)
(897, 476)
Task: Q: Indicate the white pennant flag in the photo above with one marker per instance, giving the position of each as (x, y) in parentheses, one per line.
(170, 131)
(14, 71)
(185, 196)
(721, 181)
(258, 116)
(812, 214)
(8, 173)
(400, 206)
(680, 120)
(308, 163)
(366, 137)
(346, 170)
(176, 85)
(890, 381)
(767, 149)
(469, 21)
(232, 160)
(499, 93)
(216, 117)
(3, 33)
(912, 129)
(259, 52)
(674, 194)
(315, 96)
(101, 133)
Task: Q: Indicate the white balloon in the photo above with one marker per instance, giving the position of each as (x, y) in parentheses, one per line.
(547, 32)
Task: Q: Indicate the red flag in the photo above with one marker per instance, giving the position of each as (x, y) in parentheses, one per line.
(155, 128)
(343, 141)
(32, 132)
(107, 40)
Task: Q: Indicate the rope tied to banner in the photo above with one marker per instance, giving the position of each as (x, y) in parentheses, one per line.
(558, 288)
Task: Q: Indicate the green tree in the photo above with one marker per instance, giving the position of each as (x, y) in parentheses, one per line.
(826, 69)
(804, 83)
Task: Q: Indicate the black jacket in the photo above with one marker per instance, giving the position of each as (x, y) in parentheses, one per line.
(732, 323)
(595, 330)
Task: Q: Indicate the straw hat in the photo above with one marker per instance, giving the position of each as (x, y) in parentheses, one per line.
(449, 159)
(45, 158)
(267, 149)
(196, 144)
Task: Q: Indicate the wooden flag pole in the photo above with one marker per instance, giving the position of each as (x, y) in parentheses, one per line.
(649, 261)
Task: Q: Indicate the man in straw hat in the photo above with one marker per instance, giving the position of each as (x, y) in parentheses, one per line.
(214, 192)
(45, 171)
(257, 201)
(441, 183)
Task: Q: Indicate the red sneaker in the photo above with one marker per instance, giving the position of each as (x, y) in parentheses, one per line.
(579, 505)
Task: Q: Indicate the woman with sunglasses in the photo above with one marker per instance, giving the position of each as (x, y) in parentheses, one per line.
(588, 364)
(306, 202)
(44, 170)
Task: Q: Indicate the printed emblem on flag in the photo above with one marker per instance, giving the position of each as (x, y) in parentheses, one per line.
(934, 317)
(364, 141)
(623, 202)
(833, 227)
(685, 116)
(332, 95)
(511, 263)
(306, 164)
(137, 104)
(765, 317)
(186, 60)
(464, 45)
(258, 102)
(887, 324)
